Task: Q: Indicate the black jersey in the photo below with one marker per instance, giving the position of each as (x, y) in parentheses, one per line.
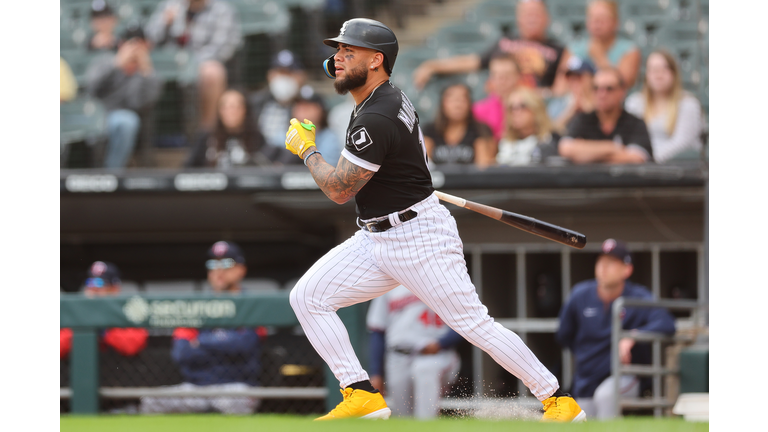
(384, 136)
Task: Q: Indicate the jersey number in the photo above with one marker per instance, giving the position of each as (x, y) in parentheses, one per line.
(430, 318)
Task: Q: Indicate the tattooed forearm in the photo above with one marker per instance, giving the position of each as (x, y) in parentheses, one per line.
(342, 183)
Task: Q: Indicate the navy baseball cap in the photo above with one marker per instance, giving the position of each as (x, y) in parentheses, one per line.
(225, 249)
(617, 249)
(285, 59)
(578, 66)
(101, 274)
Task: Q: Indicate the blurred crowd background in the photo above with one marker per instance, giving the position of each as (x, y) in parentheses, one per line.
(213, 83)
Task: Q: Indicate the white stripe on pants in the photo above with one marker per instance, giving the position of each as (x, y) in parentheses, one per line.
(426, 255)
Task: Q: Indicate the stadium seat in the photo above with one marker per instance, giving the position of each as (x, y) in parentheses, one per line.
(174, 286)
(261, 16)
(499, 12)
(474, 36)
(83, 119)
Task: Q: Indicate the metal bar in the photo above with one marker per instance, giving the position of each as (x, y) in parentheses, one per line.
(644, 403)
(656, 370)
(656, 353)
(565, 287)
(522, 302)
(477, 353)
(85, 371)
(656, 271)
(647, 370)
(259, 392)
(618, 305)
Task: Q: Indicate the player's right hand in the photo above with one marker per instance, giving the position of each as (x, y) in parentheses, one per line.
(300, 137)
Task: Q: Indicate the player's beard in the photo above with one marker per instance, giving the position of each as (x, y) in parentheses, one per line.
(356, 77)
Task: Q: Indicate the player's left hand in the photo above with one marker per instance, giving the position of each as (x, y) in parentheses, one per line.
(300, 137)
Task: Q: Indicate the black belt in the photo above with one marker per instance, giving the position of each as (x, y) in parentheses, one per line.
(384, 224)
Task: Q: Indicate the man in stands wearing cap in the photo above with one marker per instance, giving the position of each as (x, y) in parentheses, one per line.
(221, 359)
(272, 106)
(609, 134)
(126, 83)
(211, 30)
(585, 328)
(104, 280)
(579, 97)
(103, 25)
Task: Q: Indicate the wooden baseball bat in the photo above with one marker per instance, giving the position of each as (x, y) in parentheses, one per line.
(528, 224)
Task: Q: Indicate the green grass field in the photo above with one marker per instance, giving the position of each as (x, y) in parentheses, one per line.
(282, 423)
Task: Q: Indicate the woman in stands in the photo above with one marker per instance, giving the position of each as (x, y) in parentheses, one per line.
(235, 141)
(673, 115)
(604, 47)
(456, 137)
(529, 137)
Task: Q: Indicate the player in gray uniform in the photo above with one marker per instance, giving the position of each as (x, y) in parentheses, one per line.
(406, 236)
(420, 359)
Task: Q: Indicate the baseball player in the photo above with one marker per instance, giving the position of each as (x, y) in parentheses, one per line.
(406, 236)
(420, 358)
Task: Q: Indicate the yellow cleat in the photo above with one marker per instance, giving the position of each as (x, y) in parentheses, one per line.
(563, 409)
(359, 404)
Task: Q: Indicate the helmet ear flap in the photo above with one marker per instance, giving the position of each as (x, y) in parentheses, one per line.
(329, 66)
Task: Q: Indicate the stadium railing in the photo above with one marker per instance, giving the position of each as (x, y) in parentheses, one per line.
(163, 312)
(659, 400)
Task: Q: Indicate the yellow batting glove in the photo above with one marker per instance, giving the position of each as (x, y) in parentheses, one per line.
(300, 137)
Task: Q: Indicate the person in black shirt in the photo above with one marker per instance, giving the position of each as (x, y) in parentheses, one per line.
(406, 236)
(541, 59)
(609, 134)
(235, 141)
(455, 137)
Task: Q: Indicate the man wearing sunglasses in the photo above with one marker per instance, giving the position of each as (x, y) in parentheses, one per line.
(609, 134)
(104, 280)
(221, 359)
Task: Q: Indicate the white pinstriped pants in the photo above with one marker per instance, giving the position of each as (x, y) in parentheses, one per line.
(424, 254)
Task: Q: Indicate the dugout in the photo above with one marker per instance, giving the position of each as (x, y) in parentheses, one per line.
(156, 225)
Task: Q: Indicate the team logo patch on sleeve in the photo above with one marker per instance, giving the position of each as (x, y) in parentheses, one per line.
(360, 139)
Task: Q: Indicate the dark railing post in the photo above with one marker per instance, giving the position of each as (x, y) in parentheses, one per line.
(85, 371)
(616, 330)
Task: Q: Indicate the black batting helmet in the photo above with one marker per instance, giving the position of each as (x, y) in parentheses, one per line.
(366, 33)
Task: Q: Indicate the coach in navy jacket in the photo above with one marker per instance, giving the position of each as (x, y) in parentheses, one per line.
(585, 328)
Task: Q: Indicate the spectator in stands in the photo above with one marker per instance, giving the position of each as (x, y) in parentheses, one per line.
(585, 328)
(609, 134)
(211, 30)
(455, 137)
(67, 82)
(672, 114)
(539, 58)
(579, 97)
(221, 359)
(103, 25)
(604, 47)
(272, 106)
(504, 77)
(529, 137)
(235, 141)
(414, 350)
(104, 280)
(126, 83)
(311, 106)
